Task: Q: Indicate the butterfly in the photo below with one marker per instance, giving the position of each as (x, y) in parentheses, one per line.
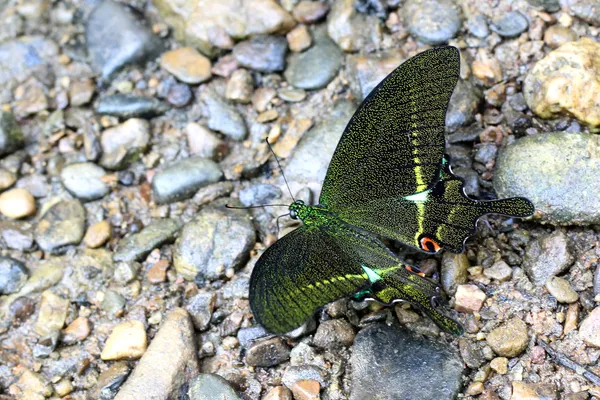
(388, 178)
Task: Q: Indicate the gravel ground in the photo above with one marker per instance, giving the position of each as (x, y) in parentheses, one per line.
(126, 127)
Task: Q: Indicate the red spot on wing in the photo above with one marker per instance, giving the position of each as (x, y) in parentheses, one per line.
(428, 244)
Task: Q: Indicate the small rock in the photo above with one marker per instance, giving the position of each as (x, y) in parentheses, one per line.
(432, 21)
(209, 387)
(32, 386)
(35, 184)
(11, 136)
(547, 5)
(81, 92)
(62, 225)
(115, 38)
(557, 35)
(124, 143)
(203, 142)
(240, 86)
(137, 246)
(500, 365)
(187, 65)
(97, 234)
(478, 26)
(262, 97)
(46, 345)
(351, 30)
(566, 81)
(13, 275)
(217, 240)
(309, 12)
(259, 194)
(127, 341)
(509, 339)
(587, 10)
(292, 96)
(262, 53)
(30, 98)
(454, 271)
(77, 331)
(547, 256)
(110, 381)
(299, 38)
(562, 290)
(317, 66)
(511, 24)
(333, 334)
(305, 389)
(469, 298)
(268, 353)
(52, 313)
(179, 95)
(125, 272)
(176, 338)
(294, 374)
(158, 272)
(470, 353)
(279, 393)
(17, 203)
(486, 68)
(63, 387)
(463, 106)
(365, 72)
(589, 331)
(182, 180)
(531, 391)
(500, 271)
(201, 307)
(223, 117)
(83, 180)
(113, 303)
(130, 106)
(7, 179)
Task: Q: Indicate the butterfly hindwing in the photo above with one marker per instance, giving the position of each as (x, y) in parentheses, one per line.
(393, 145)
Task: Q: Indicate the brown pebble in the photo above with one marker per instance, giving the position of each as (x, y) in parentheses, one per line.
(158, 272)
(557, 35)
(262, 97)
(77, 331)
(299, 38)
(97, 234)
(308, 12)
(267, 116)
(127, 341)
(469, 298)
(278, 393)
(17, 203)
(509, 339)
(81, 92)
(589, 331)
(475, 388)
(240, 86)
(571, 318)
(306, 389)
(187, 65)
(500, 365)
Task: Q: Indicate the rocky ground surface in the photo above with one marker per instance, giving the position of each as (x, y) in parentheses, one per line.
(125, 128)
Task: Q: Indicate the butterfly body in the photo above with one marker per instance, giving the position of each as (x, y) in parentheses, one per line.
(388, 178)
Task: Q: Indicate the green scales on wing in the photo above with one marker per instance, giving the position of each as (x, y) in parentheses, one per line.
(389, 177)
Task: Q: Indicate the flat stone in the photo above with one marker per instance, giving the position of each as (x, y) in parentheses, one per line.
(62, 225)
(510, 25)
(52, 313)
(262, 53)
(138, 245)
(333, 334)
(589, 331)
(76, 331)
(187, 65)
(97, 234)
(130, 106)
(352, 30)
(17, 203)
(223, 117)
(209, 387)
(547, 256)
(469, 298)
(509, 339)
(127, 341)
(203, 142)
(268, 353)
(13, 275)
(124, 143)
(200, 307)
(500, 271)
(306, 390)
(432, 21)
(562, 290)
(454, 271)
(83, 180)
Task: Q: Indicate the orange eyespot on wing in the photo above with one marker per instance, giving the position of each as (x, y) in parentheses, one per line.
(428, 244)
(415, 271)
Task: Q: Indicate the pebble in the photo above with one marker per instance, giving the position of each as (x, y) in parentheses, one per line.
(309, 12)
(62, 225)
(35, 184)
(589, 331)
(84, 181)
(13, 275)
(299, 38)
(124, 143)
(262, 53)
(556, 172)
(486, 68)
(115, 38)
(510, 25)
(223, 117)
(176, 338)
(138, 245)
(587, 10)
(259, 194)
(81, 92)
(203, 142)
(384, 355)
(464, 104)
(500, 271)
(352, 30)
(11, 135)
(365, 72)
(128, 106)
(333, 334)
(500, 365)
(547, 5)
(478, 26)
(97, 234)
(209, 387)
(292, 96)
(113, 304)
(567, 81)
(125, 272)
(432, 21)
(200, 307)
(52, 313)
(469, 298)
(31, 386)
(179, 95)
(30, 99)
(127, 341)
(17, 203)
(7, 179)
(557, 35)
(180, 181)
(454, 271)
(268, 353)
(547, 256)
(316, 67)
(240, 86)
(509, 339)
(218, 239)
(110, 380)
(279, 393)
(306, 389)
(158, 272)
(76, 331)
(562, 290)
(262, 97)
(187, 65)
(63, 387)
(533, 391)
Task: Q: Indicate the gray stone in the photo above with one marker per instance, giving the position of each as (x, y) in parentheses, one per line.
(84, 181)
(432, 21)
(364, 72)
(262, 53)
(130, 106)
(36, 184)
(110, 381)
(62, 225)
(557, 172)
(210, 387)
(11, 136)
(124, 143)
(547, 5)
(223, 117)
(183, 179)
(352, 30)
(46, 344)
(454, 271)
(268, 353)
(201, 307)
(259, 194)
(113, 303)
(13, 275)
(316, 67)
(135, 247)
(463, 106)
(547, 256)
(218, 239)
(296, 373)
(511, 24)
(478, 26)
(334, 334)
(587, 10)
(385, 355)
(247, 336)
(115, 38)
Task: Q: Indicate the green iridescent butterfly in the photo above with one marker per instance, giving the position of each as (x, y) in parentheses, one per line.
(388, 178)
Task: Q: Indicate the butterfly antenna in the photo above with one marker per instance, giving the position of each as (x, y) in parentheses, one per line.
(281, 216)
(258, 206)
(281, 169)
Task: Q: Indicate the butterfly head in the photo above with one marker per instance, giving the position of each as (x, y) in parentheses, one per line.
(297, 209)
